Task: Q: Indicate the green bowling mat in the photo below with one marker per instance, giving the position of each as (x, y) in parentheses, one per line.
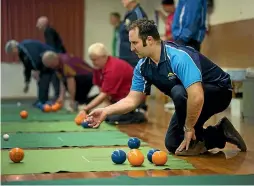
(10, 113)
(9, 110)
(79, 160)
(60, 126)
(171, 180)
(38, 116)
(65, 139)
(6, 108)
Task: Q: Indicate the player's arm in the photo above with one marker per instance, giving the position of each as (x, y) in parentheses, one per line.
(27, 69)
(195, 103)
(127, 104)
(135, 97)
(69, 73)
(27, 74)
(71, 84)
(189, 74)
(96, 101)
(62, 91)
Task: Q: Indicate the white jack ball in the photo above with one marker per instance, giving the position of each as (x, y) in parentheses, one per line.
(6, 137)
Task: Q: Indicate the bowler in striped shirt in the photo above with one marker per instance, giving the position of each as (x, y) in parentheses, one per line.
(75, 75)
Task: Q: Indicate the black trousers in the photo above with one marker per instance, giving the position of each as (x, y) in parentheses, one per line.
(132, 117)
(46, 77)
(192, 43)
(84, 83)
(216, 100)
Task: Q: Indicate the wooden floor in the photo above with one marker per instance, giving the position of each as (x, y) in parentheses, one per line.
(228, 161)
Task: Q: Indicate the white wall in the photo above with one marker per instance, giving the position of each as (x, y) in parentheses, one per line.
(12, 82)
(231, 10)
(97, 28)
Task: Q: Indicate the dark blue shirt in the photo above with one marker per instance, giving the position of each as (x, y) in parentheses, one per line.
(125, 52)
(177, 65)
(30, 53)
(33, 50)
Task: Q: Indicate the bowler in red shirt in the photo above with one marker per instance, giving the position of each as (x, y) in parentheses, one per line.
(114, 78)
(112, 75)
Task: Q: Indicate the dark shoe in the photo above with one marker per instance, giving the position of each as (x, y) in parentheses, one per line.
(35, 103)
(195, 149)
(231, 134)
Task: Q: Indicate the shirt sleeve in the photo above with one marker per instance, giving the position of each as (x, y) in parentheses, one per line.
(139, 83)
(68, 71)
(186, 69)
(27, 73)
(50, 37)
(96, 78)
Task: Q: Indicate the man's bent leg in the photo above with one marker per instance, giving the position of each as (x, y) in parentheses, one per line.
(175, 132)
(174, 135)
(129, 118)
(43, 86)
(56, 85)
(217, 136)
(84, 84)
(216, 100)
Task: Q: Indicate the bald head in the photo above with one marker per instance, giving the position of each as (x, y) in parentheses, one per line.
(42, 22)
(50, 59)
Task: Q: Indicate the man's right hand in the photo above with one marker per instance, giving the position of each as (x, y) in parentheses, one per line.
(96, 117)
(26, 88)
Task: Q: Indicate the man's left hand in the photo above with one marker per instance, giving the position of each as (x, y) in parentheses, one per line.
(36, 75)
(188, 136)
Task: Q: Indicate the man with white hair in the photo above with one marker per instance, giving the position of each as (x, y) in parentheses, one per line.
(75, 75)
(113, 76)
(135, 11)
(30, 52)
(51, 36)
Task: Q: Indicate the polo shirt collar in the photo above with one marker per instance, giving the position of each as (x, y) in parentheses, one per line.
(163, 56)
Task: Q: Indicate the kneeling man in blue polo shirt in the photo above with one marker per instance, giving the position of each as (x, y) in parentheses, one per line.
(197, 86)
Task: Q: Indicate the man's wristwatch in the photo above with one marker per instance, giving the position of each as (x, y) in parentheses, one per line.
(187, 129)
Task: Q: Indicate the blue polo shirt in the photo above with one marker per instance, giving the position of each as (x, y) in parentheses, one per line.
(177, 65)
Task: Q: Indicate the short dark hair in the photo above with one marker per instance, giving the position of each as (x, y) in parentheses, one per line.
(115, 14)
(167, 2)
(146, 28)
